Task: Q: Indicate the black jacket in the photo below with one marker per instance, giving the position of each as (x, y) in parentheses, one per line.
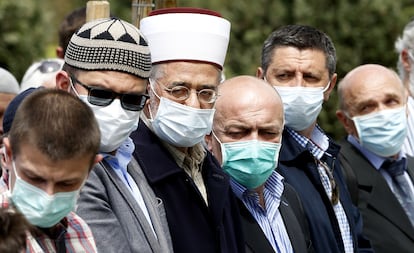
(194, 226)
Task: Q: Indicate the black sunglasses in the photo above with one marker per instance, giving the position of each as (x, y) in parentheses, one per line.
(103, 97)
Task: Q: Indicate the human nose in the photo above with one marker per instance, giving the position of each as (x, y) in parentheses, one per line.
(193, 100)
(298, 80)
(50, 189)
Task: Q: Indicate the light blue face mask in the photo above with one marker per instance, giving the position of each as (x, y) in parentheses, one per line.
(383, 132)
(39, 208)
(302, 105)
(250, 163)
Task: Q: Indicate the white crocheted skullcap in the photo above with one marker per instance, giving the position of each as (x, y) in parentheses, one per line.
(8, 83)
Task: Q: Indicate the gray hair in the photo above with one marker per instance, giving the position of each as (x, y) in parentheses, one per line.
(301, 37)
(405, 41)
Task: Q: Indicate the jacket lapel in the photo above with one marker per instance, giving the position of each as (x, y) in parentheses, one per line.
(371, 181)
(135, 208)
(256, 240)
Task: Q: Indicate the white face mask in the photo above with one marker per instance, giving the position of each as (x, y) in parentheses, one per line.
(302, 105)
(383, 132)
(181, 125)
(115, 123)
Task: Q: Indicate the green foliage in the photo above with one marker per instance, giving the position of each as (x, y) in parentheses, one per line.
(22, 38)
(363, 31)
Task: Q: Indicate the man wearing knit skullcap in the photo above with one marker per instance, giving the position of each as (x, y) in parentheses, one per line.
(188, 49)
(107, 65)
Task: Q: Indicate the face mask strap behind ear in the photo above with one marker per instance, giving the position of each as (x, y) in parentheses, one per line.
(73, 87)
(215, 136)
(326, 87)
(152, 83)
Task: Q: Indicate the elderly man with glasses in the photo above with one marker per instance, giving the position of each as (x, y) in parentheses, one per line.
(107, 65)
(188, 48)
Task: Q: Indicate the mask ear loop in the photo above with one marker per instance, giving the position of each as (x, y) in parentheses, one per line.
(151, 83)
(326, 87)
(73, 87)
(215, 136)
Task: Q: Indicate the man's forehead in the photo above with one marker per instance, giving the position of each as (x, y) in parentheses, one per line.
(309, 60)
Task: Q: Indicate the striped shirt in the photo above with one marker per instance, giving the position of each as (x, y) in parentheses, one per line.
(71, 230)
(318, 150)
(269, 218)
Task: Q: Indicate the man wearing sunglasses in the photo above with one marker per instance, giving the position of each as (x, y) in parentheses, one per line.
(107, 65)
(188, 48)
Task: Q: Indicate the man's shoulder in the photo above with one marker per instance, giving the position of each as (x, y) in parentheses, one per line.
(79, 233)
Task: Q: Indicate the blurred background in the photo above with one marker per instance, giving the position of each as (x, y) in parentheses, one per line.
(363, 31)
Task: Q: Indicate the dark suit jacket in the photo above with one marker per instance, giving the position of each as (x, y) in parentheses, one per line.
(295, 221)
(297, 165)
(385, 222)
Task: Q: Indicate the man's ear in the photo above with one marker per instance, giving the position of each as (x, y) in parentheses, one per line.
(6, 154)
(59, 52)
(208, 140)
(260, 73)
(347, 123)
(331, 87)
(63, 81)
(96, 160)
(405, 60)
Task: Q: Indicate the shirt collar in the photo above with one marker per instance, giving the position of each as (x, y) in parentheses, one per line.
(274, 184)
(123, 156)
(317, 144)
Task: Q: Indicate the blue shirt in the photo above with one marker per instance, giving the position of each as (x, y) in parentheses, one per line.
(119, 164)
(269, 218)
(376, 161)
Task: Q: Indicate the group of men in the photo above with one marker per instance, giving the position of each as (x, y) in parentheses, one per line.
(154, 153)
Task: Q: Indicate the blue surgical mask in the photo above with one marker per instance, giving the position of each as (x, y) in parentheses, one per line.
(181, 125)
(39, 208)
(302, 105)
(250, 163)
(382, 132)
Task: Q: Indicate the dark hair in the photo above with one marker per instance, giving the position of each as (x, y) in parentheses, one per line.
(72, 22)
(13, 228)
(57, 123)
(301, 37)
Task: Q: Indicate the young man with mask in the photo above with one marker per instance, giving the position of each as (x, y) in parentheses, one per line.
(246, 139)
(46, 169)
(188, 48)
(300, 61)
(107, 65)
(404, 46)
(373, 111)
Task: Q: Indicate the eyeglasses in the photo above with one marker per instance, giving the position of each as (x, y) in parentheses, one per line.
(104, 97)
(181, 93)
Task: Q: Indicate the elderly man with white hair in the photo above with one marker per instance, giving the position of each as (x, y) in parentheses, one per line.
(404, 45)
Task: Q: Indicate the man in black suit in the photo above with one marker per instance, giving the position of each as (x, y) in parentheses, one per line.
(246, 139)
(373, 111)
